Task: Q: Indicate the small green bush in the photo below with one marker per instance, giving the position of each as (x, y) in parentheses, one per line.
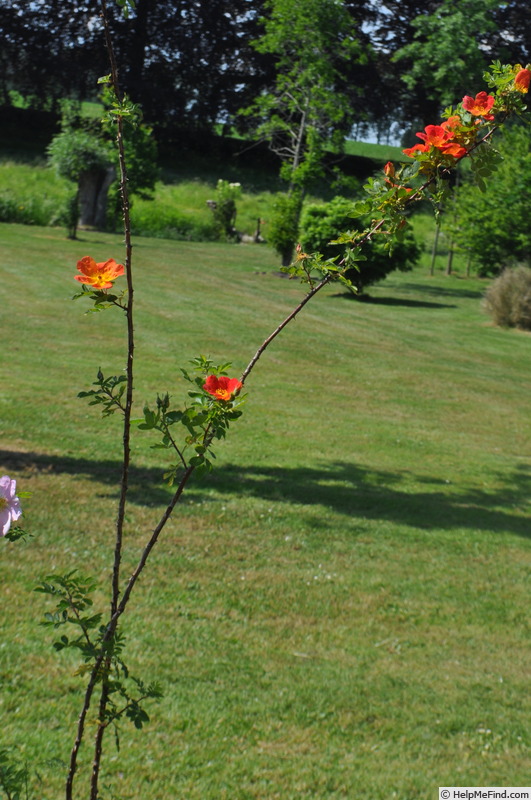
(224, 208)
(324, 222)
(508, 299)
(284, 224)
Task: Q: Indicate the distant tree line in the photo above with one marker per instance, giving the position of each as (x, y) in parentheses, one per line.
(192, 64)
(299, 76)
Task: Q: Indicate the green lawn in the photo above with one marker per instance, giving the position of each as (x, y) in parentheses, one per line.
(341, 609)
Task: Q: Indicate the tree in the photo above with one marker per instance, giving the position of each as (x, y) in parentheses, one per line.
(83, 152)
(51, 49)
(442, 48)
(450, 49)
(190, 63)
(494, 225)
(187, 63)
(306, 106)
(85, 159)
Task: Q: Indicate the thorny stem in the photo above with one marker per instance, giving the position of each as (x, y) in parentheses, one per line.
(129, 313)
(98, 739)
(107, 637)
(126, 448)
(265, 344)
(175, 446)
(111, 629)
(417, 195)
(118, 605)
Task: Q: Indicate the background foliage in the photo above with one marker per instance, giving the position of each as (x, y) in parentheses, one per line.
(55, 49)
(492, 226)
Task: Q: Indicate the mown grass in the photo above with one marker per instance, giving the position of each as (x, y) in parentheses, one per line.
(341, 609)
(377, 152)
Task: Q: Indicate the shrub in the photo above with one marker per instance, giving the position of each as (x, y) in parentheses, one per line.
(72, 152)
(224, 208)
(324, 222)
(493, 226)
(508, 299)
(284, 224)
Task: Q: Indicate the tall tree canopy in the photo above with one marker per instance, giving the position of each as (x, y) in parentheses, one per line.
(185, 61)
(192, 63)
(48, 50)
(493, 226)
(309, 102)
(436, 50)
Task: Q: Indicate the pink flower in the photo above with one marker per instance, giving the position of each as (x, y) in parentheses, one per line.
(9, 503)
(221, 388)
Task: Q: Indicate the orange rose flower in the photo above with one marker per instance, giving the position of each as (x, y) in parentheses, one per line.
(521, 81)
(451, 123)
(453, 149)
(436, 136)
(417, 148)
(101, 275)
(221, 388)
(480, 105)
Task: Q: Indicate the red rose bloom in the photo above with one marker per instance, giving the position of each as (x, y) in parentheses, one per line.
(436, 136)
(480, 105)
(221, 388)
(417, 148)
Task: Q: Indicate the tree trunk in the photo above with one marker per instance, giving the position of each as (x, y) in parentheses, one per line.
(435, 247)
(93, 190)
(450, 261)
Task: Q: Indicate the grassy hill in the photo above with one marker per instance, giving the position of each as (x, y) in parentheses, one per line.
(341, 610)
(190, 166)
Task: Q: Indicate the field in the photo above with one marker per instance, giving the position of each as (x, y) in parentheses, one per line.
(341, 609)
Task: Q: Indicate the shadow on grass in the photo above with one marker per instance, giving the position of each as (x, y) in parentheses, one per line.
(367, 299)
(342, 487)
(442, 292)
